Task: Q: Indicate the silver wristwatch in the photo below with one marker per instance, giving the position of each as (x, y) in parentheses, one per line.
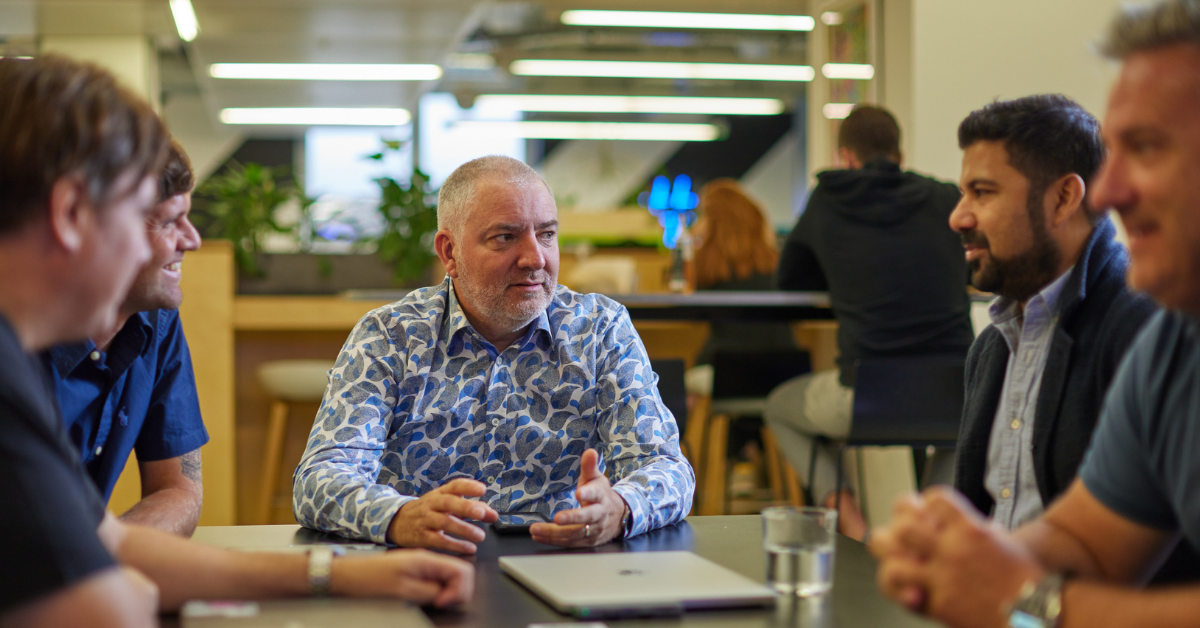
(320, 567)
(1039, 604)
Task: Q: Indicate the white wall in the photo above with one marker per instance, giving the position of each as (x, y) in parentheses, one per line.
(968, 52)
(772, 180)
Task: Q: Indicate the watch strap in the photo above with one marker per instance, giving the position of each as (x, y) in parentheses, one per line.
(1039, 604)
(320, 568)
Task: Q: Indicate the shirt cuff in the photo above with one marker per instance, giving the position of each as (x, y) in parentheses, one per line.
(639, 509)
(380, 514)
(177, 447)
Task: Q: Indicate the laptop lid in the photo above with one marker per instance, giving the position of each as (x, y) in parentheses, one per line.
(622, 584)
(310, 613)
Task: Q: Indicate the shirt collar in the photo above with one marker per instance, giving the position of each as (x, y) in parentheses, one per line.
(1004, 309)
(456, 319)
(129, 343)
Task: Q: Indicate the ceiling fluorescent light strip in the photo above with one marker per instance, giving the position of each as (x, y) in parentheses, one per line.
(629, 104)
(837, 110)
(185, 19)
(327, 71)
(669, 19)
(858, 71)
(303, 116)
(662, 69)
(590, 130)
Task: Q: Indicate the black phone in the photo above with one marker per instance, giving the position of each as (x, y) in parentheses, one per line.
(516, 522)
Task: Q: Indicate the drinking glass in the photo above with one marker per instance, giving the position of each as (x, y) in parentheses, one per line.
(799, 542)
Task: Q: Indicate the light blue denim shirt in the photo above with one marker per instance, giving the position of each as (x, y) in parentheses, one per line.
(418, 398)
(1009, 478)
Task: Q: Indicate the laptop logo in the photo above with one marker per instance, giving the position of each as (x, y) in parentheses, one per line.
(630, 572)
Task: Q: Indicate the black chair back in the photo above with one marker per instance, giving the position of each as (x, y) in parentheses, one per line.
(754, 374)
(670, 388)
(908, 400)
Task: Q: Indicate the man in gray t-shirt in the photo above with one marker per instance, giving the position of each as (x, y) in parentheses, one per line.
(1143, 464)
(1084, 561)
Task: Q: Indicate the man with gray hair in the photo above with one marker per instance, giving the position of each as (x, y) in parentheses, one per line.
(496, 391)
(1082, 562)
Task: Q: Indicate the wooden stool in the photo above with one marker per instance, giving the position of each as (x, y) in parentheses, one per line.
(287, 381)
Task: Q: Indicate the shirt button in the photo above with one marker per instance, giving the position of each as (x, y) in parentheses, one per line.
(1016, 424)
(99, 450)
(491, 479)
(495, 422)
(95, 355)
(1006, 493)
(1028, 357)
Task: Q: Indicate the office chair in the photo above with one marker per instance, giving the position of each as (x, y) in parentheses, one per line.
(915, 401)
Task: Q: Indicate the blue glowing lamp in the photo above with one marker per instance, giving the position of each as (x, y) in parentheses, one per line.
(673, 204)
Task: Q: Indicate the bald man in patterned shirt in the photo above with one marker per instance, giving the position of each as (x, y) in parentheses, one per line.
(496, 391)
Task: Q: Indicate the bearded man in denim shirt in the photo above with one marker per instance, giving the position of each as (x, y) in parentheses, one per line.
(497, 390)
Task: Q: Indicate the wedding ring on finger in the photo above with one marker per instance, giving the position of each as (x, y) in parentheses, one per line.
(587, 530)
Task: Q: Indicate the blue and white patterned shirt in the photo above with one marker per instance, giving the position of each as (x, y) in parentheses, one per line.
(418, 398)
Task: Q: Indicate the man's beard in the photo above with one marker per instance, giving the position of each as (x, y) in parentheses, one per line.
(493, 304)
(1020, 277)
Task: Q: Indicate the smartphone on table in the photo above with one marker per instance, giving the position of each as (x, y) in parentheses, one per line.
(517, 522)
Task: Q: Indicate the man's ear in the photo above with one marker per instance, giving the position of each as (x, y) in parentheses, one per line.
(1066, 198)
(443, 244)
(70, 213)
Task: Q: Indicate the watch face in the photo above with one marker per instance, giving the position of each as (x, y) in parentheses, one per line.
(1021, 619)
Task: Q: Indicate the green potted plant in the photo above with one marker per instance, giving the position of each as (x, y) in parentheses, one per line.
(409, 213)
(241, 207)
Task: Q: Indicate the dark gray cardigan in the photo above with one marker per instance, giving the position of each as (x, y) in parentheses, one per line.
(1098, 318)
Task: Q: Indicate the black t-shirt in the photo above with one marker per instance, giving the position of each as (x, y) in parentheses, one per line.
(51, 511)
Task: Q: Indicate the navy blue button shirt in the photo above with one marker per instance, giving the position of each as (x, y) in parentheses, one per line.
(140, 394)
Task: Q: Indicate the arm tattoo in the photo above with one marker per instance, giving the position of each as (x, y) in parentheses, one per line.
(191, 466)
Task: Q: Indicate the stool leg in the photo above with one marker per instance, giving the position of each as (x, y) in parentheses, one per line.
(697, 429)
(714, 481)
(774, 464)
(275, 431)
(795, 493)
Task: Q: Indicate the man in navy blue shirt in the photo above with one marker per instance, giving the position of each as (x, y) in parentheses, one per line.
(132, 387)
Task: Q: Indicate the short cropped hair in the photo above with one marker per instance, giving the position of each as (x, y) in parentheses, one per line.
(1138, 28)
(870, 132)
(177, 177)
(458, 191)
(61, 118)
(1047, 136)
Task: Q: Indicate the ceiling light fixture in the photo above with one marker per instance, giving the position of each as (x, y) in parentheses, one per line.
(662, 69)
(630, 104)
(858, 71)
(590, 130)
(837, 110)
(316, 116)
(327, 71)
(185, 19)
(670, 19)
(831, 18)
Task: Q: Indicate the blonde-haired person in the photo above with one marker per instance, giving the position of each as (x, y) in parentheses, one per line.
(736, 252)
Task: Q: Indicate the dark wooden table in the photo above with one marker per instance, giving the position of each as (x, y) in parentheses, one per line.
(733, 541)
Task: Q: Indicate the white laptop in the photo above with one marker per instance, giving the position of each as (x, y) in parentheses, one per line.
(628, 584)
(309, 613)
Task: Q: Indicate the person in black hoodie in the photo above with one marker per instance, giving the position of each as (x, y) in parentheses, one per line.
(878, 239)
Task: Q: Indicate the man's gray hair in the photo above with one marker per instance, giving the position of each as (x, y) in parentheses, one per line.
(1139, 28)
(458, 192)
